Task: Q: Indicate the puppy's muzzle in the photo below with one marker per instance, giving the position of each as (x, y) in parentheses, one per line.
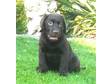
(54, 35)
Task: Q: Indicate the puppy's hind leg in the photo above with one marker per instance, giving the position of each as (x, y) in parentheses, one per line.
(74, 64)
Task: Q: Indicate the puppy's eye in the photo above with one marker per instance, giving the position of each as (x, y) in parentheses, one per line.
(60, 25)
(50, 23)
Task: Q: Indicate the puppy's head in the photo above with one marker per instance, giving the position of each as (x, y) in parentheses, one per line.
(53, 26)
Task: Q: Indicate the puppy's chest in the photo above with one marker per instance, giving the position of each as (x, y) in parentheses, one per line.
(53, 54)
(53, 57)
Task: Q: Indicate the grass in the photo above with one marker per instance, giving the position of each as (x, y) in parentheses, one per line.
(27, 60)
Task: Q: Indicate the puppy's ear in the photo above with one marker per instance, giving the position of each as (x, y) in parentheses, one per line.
(64, 24)
(42, 22)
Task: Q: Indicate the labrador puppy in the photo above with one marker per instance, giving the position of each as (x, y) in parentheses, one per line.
(55, 52)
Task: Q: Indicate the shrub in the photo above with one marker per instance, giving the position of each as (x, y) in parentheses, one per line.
(80, 17)
(21, 19)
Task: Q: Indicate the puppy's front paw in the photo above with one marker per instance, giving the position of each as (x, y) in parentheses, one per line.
(42, 69)
(63, 73)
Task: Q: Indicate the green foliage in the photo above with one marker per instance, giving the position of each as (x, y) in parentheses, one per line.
(85, 26)
(21, 19)
(27, 61)
(80, 17)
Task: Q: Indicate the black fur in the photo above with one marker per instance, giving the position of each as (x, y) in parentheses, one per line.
(55, 52)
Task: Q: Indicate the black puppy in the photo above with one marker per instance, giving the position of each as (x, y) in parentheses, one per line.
(55, 52)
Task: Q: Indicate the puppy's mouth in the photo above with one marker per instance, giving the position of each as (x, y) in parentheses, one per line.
(52, 38)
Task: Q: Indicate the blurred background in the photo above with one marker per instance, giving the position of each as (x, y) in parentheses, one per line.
(80, 16)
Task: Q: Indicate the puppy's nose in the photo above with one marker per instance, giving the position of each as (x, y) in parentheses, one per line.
(55, 33)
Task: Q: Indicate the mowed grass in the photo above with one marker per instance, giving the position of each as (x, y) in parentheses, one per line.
(27, 60)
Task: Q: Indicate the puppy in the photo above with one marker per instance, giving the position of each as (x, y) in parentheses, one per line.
(55, 52)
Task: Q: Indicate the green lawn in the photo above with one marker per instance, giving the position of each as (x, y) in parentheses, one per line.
(27, 60)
